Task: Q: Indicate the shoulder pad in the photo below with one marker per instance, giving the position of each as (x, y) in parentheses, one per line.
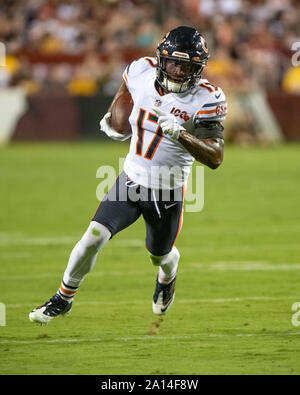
(213, 104)
(138, 66)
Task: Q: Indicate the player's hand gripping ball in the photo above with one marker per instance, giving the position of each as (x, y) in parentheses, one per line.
(168, 123)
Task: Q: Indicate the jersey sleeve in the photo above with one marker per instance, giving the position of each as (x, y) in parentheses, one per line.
(133, 73)
(213, 108)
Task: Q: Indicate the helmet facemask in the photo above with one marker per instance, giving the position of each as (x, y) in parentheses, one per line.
(186, 73)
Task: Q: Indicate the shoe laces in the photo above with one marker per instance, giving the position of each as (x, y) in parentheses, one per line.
(56, 303)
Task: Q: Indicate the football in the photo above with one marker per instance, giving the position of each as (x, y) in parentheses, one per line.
(120, 113)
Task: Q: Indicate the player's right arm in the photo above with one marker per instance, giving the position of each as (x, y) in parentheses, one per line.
(123, 89)
(105, 123)
(130, 76)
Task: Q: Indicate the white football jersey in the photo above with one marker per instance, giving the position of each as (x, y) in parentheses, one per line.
(154, 159)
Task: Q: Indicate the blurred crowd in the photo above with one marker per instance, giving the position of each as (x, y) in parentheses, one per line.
(82, 46)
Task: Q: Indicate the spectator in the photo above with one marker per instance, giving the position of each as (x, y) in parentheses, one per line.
(81, 45)
(291, 81)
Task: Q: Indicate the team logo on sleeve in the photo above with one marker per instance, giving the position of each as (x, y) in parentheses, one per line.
(221, 109)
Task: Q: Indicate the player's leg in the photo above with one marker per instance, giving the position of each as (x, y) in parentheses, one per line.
(81, 261)
(83, 258)
(167, 265)
(114, 214)
(163, 224)
(164, 293)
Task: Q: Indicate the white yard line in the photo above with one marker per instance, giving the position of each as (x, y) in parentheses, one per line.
(18, 239)
(9, 236)
(179, 301)
(242, 247)
(21, 239)
(227, 266)
(35, 241)
(146, 338)
(224, 266)
(58, 275)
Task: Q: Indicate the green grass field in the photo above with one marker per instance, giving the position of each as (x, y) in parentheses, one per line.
(238, 276)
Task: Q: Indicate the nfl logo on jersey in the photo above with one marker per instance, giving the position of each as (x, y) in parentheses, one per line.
(157, 103)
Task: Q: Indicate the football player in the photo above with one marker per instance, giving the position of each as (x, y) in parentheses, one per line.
(176, 119)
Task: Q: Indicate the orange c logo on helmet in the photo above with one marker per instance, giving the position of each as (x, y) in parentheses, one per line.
(164, 38)
(204, 45)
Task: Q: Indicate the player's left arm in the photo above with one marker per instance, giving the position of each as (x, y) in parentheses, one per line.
(203, 139)
(202, 135)
(208, 151)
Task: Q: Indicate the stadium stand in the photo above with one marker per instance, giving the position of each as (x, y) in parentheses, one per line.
(78, 49)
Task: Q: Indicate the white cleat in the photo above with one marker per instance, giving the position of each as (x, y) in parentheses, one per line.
(163, 297)
(37, 315)
(51, 309)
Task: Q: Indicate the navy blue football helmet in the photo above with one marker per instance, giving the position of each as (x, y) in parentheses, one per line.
(186, 47)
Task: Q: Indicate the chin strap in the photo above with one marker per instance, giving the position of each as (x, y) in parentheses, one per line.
(175, 86)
